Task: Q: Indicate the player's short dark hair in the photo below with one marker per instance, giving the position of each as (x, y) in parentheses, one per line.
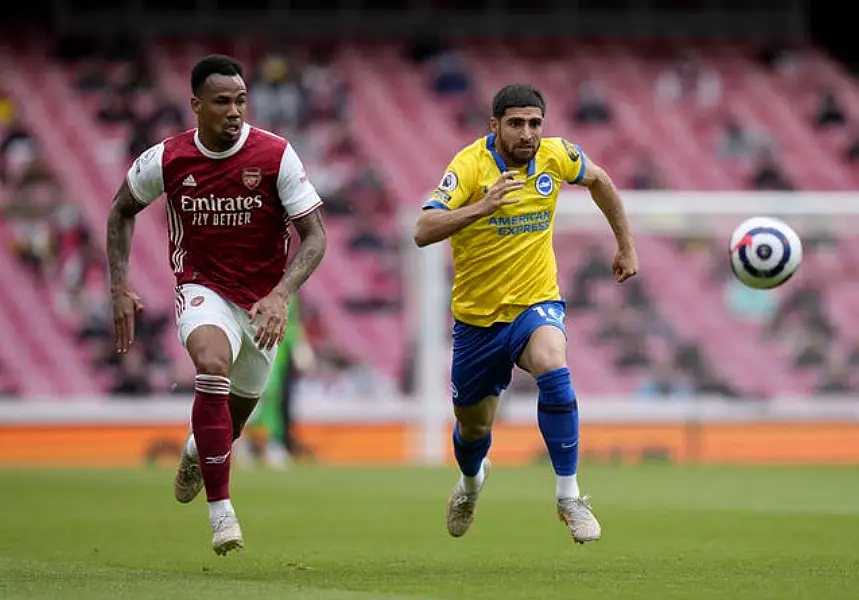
(214, 64)
(517, 96)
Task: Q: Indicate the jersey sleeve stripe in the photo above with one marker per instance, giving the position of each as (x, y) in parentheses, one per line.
(582, 171)
(434, 204)
(133, 192)
(306, 211)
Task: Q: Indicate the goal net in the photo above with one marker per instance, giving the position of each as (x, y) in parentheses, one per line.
(683, 340)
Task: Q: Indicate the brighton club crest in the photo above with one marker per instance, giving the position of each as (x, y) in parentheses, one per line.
(252, 177)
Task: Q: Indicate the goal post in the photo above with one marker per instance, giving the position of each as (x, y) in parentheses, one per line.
(652, 214)
(427, 305)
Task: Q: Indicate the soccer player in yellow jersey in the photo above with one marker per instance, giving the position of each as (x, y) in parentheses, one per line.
(496, 203)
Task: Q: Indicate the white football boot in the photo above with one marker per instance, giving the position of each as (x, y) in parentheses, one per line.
(189, 477)
(226, 534)
(461, 505)
(577, 515)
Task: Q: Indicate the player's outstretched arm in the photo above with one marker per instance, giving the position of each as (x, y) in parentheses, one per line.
(120, 230)
(436, 224)
(607, 198)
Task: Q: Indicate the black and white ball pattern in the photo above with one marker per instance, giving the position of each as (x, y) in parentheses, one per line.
(765, 252)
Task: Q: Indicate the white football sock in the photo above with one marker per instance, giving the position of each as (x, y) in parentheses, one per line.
(472, 484)
(566, 486)
(219, 508)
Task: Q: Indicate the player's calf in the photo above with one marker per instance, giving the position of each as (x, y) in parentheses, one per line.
(188, 481)
(471, 444)
(558, 418)
(212, 427)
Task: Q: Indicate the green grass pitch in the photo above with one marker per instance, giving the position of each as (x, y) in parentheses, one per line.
(315, 533)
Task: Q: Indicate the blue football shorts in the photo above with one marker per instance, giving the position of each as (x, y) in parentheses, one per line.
(483, 357)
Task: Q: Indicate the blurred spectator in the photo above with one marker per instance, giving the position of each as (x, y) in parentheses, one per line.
(829, 111)
(365, 235)
(664, 381)
(275, 95)
(472, 116)
(31, 230)
(325, 88)
(836, 376)
(706, 383)
(596, 266)
(92, 74)
(591, 105)
(851, 151)
(383, 290)
(810, 346)
(83, 266)
(17, 150)
(738, 141)
(153, 118)
(449, 74)
(782, 58)
(132, 377)
(645, 173)
(370, 191)
(116, 108)
(687, 79)
(767, 174)
(803, 301)
(746, 304)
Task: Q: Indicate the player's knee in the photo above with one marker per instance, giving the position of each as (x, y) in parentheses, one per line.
(475, 430)
(210, 351)
(212, 362)
(475, 421)
(545, 352)
(546, 359)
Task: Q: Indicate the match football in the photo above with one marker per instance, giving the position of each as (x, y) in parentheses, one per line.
(765, 252)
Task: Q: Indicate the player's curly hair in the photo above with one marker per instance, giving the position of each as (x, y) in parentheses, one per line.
(214, 64)
(516, 96)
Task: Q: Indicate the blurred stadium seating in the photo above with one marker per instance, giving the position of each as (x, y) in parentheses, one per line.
(704, 116)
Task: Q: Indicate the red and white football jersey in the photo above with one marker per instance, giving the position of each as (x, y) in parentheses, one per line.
(227, 212)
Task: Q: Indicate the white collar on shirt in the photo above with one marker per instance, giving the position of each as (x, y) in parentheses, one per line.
(243, 137)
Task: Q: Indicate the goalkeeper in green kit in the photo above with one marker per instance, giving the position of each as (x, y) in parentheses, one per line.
(270, 434)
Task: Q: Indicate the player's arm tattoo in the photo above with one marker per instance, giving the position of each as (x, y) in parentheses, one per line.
(607, 198)
(311, 230)
(120, 229)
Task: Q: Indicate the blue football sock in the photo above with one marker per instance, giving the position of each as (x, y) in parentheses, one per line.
(470, 454)
(558, 417)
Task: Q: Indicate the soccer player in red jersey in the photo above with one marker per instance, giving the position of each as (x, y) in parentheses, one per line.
(232, 191)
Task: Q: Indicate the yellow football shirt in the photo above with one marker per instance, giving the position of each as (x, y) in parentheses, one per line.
(505, 262)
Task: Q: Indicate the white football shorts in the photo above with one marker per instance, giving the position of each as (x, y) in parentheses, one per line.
(198, 305)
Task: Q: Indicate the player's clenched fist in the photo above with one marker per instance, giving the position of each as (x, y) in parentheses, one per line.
(126, 304)
(625, 264)
(271, 311)
(496, 196)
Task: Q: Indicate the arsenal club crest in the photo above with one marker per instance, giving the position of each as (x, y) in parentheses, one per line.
(252, 177)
